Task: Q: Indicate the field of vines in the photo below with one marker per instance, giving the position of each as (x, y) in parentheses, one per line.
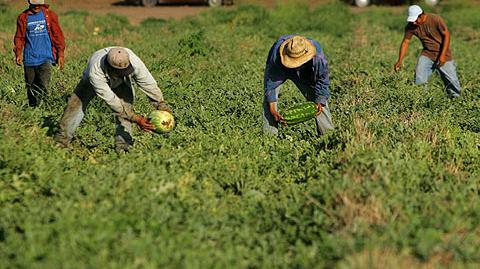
(396, 185)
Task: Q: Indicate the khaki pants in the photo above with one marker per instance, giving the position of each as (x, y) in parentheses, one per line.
(77, 107)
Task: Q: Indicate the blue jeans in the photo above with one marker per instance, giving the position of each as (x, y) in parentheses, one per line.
(448, 73)
(323, 121)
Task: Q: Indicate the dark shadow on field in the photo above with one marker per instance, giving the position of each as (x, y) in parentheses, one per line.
(50, 123)
(330, 141)
(136, 3)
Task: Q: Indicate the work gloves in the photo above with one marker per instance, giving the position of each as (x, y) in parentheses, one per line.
(163, 107)
(145, 124)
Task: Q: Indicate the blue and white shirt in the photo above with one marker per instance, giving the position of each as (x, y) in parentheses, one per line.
(38, 46)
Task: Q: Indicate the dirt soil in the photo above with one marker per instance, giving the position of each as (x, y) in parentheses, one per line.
(136, 14)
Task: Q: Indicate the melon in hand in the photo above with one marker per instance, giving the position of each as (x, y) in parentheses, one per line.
(162, 120)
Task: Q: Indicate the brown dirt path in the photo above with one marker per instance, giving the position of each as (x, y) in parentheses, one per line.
(137, 14)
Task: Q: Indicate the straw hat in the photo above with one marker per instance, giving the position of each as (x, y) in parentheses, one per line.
(296, 51)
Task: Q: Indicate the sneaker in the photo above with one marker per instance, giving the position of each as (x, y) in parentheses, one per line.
(62, 140)
(121, 148)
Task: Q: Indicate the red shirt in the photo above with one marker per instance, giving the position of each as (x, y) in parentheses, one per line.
(54, 31)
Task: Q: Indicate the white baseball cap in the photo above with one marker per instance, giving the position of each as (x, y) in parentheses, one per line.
(36, 2)
(413, 13)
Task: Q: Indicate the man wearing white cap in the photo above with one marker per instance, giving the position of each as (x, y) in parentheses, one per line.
(436, 54)
(109, 75)
(39, 43)
(302, 61)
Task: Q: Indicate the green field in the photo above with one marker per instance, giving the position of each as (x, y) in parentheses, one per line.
(397, 185)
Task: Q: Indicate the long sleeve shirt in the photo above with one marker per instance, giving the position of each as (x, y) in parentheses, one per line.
(315, 75)
(102, 83)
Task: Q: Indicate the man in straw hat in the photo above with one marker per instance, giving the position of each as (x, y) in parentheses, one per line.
(109, 75)
(302, 61)
(39, 43)
(436, 54)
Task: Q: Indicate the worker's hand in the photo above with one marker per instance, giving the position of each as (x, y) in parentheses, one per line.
(272, 107)
(278, 117)
(61, 62)
(19, 60)
(319, 109)
(441, 60)
(162, 106)
(397, 66)
(143, 123)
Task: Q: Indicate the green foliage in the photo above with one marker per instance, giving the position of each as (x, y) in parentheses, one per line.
(397, 182)
(194, 44)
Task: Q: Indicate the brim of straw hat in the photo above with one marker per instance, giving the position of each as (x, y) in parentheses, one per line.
(291, 62)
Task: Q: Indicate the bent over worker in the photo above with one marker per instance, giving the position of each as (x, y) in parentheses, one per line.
(436, 54)
(39, 43)
(109, 75)
(301, 60)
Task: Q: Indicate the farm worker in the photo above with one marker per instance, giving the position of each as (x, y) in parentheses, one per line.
(39, 43)
(436, 54)
(301, 60)
(109, 74)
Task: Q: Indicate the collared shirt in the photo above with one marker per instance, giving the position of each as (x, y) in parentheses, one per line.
(313, 74)
(102, 83)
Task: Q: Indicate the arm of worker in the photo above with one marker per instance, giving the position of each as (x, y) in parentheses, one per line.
(442, 58)
(144, 79)
(322, 83)
(19, 40)
(273, 78)
(102, 89)
(403, 50)
(59, 40)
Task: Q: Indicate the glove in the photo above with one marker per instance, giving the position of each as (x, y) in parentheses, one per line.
(143, 123)
(163, 107)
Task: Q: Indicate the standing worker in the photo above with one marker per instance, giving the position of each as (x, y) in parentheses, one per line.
(436, 54)
(302, 61)
(109, 75)
(39, 43)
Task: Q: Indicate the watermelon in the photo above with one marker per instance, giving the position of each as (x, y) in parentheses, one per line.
(162, 120)
(300, 113)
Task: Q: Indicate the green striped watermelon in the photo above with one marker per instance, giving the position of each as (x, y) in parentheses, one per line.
(300, 113)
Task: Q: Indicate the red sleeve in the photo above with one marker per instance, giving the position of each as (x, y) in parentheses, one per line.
(58, 41)
(19, 39)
